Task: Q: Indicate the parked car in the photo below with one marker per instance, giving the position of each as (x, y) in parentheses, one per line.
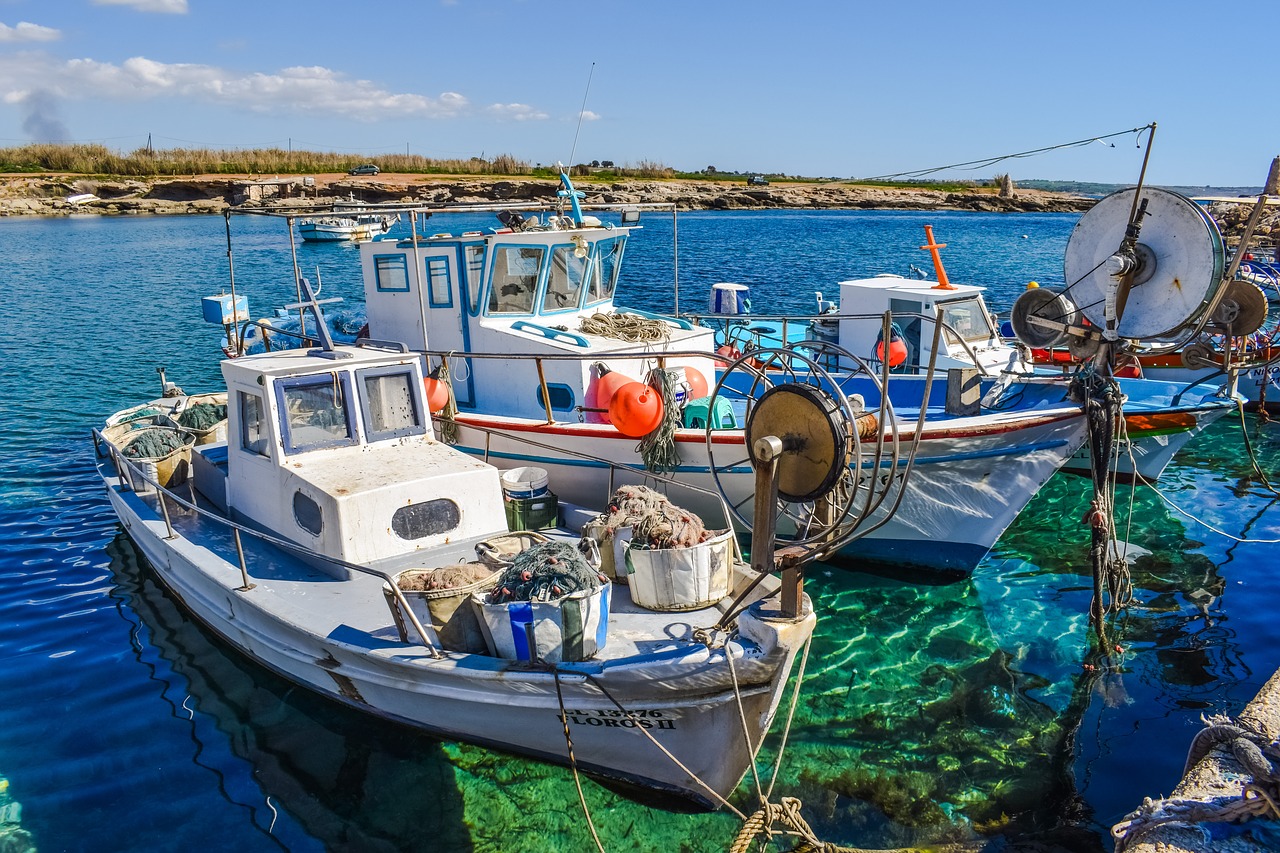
(757, 181)
(366, 169)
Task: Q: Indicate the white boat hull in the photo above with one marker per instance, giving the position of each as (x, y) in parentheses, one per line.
(967, 484)
(680, 693)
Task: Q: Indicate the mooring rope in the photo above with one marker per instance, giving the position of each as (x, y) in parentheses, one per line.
(1257, 797)
(573, 763)
(625, 327)
(448, 417)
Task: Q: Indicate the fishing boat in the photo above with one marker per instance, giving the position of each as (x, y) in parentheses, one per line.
(290, 533)
(543, 366)
(350, 220)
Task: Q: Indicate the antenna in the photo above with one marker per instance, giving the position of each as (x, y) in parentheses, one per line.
(574, 149)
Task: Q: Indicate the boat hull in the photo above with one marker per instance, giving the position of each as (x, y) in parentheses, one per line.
(967, 483)
(684, 696)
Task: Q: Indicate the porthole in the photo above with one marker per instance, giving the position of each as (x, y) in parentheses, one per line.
(430, 518)
(307, 513)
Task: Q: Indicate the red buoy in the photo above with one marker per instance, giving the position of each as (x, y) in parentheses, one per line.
(601, 391)
(697, 383)
(897, 351)
(437, 392)
(635, 410)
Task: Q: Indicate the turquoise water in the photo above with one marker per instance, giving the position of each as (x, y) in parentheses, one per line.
(928, 711)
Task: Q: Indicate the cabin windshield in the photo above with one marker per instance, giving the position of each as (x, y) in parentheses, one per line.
(514, 280)
(314, 412)
(389, 403)
(966, 319)
(606, 261)
(564, 281)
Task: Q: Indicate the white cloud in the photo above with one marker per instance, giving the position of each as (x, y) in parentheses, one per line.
(28, 32)
(310, 89)
(587, 115)
(170, 7)
(516, 112)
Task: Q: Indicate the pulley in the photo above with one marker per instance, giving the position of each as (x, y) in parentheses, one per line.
(1174, 271)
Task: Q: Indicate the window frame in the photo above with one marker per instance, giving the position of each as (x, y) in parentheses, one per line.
(366, 415)
(288, 383)
(400, 260)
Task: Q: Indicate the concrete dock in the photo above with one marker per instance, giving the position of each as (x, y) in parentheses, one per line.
(1229, 801)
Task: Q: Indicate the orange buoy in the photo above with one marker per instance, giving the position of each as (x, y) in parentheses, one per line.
(437, 392)
(897, 351)
(635, 409)
(600, 392)
(729, 353)
(697, 383)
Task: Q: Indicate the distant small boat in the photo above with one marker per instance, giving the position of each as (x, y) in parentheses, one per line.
(81, 198)
(350, 220)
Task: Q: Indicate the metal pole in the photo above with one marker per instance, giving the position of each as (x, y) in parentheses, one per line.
(764, 534)
(675, 248)
(231, 271)
(297, 277)
(244, 570)
(546, 395)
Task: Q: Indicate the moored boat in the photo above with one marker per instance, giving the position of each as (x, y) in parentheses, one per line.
(291, 541)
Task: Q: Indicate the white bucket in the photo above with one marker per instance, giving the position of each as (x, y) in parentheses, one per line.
(681, 578)
(729, 298)
(572, 628)
(521, 483)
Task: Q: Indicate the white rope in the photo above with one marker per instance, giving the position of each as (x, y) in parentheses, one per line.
(1202, 523)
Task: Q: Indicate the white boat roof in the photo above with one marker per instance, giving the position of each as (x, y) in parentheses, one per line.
(913, 288)
(289, 362)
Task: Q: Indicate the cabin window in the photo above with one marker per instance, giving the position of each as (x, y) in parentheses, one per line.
(429, 518)
(253, 431)
(514, 279)
(314, 412)
(389, 403)
(564, 281)
(559, 396)
(438, 283)
(473, 257)
(965, 318)
(391, 273)
(606, 263)
(307, 513)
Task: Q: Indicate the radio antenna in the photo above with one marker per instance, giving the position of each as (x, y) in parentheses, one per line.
(581, 113)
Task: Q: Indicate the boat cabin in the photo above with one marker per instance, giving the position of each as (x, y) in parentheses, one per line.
(333, 451)
(969, 327)
(522, 289)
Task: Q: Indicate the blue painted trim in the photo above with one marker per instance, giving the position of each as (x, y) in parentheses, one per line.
(431, 290)
(398, 260)
(520, 614)
(550, 334)
(676, 321)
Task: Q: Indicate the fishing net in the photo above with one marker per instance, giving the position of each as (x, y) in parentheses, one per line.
(202, 416)
(658, 449)
(653, 519)
(446, 577)
(154, 444)
(545, 572)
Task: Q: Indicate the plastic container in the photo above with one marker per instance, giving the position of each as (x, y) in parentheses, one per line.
(448, 611)
(730, 298)
(217, 431)
(173, 467)
(610, 547)
(524, 482)
(532, 513)
(573, 628)
(672, 579)
(500, 551)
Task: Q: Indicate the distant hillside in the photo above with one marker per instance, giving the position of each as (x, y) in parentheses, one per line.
(1092, 189)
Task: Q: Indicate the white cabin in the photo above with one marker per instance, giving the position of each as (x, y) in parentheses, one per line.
(515, 291)
(333, 451)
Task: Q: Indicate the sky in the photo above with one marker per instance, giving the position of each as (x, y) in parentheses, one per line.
(841, 88)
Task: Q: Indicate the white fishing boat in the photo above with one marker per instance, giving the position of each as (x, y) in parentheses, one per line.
(350, 221)
(291, 538)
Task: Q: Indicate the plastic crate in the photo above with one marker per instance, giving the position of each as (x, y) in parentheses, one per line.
(532, 513)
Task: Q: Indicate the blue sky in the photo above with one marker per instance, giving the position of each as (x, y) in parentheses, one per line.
(840, 88)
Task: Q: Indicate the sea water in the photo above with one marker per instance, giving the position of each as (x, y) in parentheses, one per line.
(929, 710)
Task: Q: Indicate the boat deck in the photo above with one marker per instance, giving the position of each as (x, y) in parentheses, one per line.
(356, 611)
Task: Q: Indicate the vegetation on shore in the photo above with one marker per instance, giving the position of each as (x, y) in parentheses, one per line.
(87, 159)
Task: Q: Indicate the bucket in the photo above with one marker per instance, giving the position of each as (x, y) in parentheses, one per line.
(501, 551)
(572, 628)
(524, 483)
(448, 611)
(729, 298)
(208, 430)
(670, 579)
(610, 547)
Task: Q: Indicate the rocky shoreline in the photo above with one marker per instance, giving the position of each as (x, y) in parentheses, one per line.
(47, 195)
(50, 195)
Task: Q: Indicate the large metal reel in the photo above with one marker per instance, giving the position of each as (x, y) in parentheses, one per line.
(1180, 256)
(788, 394)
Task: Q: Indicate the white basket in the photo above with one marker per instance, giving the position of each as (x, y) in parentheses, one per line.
(572, 628)
(680, 578)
